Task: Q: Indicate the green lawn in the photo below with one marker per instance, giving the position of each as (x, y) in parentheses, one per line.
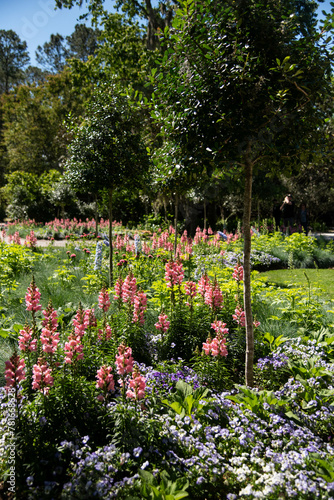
(319, 278)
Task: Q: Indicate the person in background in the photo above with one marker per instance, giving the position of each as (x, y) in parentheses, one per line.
(288, 211)
(303, 216)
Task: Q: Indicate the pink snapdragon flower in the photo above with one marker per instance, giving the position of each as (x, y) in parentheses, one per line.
(239, 317)
(219, 327)
(106, 333)
(190, 289)
(16, 238)
(80, 322)
(49, 339)
(14, 371)
(213, 296)
(174, 273)
(216, 346)
(162, 323)
(90, 320)
(118, 289)
(124, 360)
(139, 308)
(31, 240)
(238, 273)
(42, 379)
(104, 300)
(50, 317)
(32, 297)
(73, 349)
(129, 289)
(26, 340)
(203, 283)
(105, 379)
(137, 385)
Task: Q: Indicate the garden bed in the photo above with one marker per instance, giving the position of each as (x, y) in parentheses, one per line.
(137, 390)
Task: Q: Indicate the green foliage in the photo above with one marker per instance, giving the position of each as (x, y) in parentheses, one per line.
(255, 401)
(186, 401)
(14, 260)
(167, 489)
(13, 57)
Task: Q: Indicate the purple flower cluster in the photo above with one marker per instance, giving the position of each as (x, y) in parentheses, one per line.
(275, 361)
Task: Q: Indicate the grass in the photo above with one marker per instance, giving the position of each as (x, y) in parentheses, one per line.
(319, 278)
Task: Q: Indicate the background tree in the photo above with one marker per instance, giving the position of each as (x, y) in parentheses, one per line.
(33, 75)
(247, 81)
(107, 152)
(52, 56)
(34, 133)
(13, 57)
(83, 42)
(27, 195)
(157, 16)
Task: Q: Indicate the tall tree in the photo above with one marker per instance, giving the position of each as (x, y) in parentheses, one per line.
(13, 57)
(34, 134)
(52, 56)
(246, 81)
(83, 42)
(158, 16)
(107, 152)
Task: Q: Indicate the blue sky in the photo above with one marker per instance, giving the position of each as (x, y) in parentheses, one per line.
(35, 20)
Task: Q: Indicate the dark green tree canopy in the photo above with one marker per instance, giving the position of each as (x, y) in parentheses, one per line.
(13, 57)
(240, 72)
(107, 151)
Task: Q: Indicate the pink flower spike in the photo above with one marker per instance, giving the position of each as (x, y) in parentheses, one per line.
(137, 386)
(14, 371)
(104, 300)
(124, 360)
(26, 341)
(162, 323)
(105, 379)
(42, 379)
(239, 317)
(32, 297)
(238, 273)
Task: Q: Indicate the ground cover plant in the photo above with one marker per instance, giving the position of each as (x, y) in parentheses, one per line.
(136, 389)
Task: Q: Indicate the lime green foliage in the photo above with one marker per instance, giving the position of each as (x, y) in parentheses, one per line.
(321, 280)
(14, 259)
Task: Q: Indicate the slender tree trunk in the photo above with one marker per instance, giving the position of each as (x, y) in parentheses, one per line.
(175, 222)
(111, 274)
(96, 217)
(204, 207)
(165, 208)
(248, 167)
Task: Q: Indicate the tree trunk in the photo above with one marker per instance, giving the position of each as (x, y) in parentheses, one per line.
(204, 208)
(111, 274)
(175, 223)
(165, 208)
(96, 218)
(248, 168)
